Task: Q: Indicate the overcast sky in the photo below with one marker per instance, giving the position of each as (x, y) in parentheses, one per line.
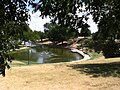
(36, 22)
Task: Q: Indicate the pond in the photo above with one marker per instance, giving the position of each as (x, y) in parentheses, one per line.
(43, 54)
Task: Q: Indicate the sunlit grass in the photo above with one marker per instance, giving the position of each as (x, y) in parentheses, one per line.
(95, 55)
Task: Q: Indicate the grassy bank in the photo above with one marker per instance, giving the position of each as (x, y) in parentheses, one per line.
(95, 55)
(16, 54)
(101, 74)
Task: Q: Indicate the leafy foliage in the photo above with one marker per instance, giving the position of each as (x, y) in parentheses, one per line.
(111, 49)
(85, 31)
(74, 14)
(63, 12)
(106, 15)
(57, 33)
(30, 35)
(13, 14)
(42, 35)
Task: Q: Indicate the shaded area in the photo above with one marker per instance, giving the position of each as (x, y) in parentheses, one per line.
(97, 70)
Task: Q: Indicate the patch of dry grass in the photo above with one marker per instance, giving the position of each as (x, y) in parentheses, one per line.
(60, 76)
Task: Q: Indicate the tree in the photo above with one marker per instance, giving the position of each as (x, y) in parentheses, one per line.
(30, 35)
(106, 13)
(57, 33)
(62, 12)
(13, 14)
(36, 36)
(85, 31)
(42, 35)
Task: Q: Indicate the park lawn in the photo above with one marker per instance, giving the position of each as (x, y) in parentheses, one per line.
(101, 74)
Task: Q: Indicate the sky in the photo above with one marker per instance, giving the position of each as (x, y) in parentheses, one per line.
(93, 26)
(36, 22)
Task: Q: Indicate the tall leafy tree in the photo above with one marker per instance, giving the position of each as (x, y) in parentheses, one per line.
(13, 14)
(42, 35)
(57, 33)
(107, 15)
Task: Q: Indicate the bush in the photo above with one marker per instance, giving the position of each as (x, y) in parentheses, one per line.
(111, 49)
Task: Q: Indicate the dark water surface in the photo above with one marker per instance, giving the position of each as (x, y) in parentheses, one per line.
(45, 55)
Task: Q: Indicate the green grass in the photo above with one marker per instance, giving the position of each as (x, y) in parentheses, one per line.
(20, 50)
(18, 60)
(95, 55)
(22, 63)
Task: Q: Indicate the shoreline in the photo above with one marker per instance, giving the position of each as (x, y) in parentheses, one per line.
(85, 56)
(72, 49)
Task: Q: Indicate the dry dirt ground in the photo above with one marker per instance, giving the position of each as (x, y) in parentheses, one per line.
(84, 75)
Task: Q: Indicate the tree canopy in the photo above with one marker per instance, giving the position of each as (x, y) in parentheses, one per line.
(75, 13)
(30, 35)
(108, 19)
(13, 14)
(63, 12)
(57, 33)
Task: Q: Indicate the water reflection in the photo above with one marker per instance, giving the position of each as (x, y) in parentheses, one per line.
(78, 57)
(44, 56)
(40, 60)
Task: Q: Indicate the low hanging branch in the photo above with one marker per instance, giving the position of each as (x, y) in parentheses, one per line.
(13, 17)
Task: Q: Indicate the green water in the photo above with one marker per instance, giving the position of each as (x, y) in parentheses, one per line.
(45, 55)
